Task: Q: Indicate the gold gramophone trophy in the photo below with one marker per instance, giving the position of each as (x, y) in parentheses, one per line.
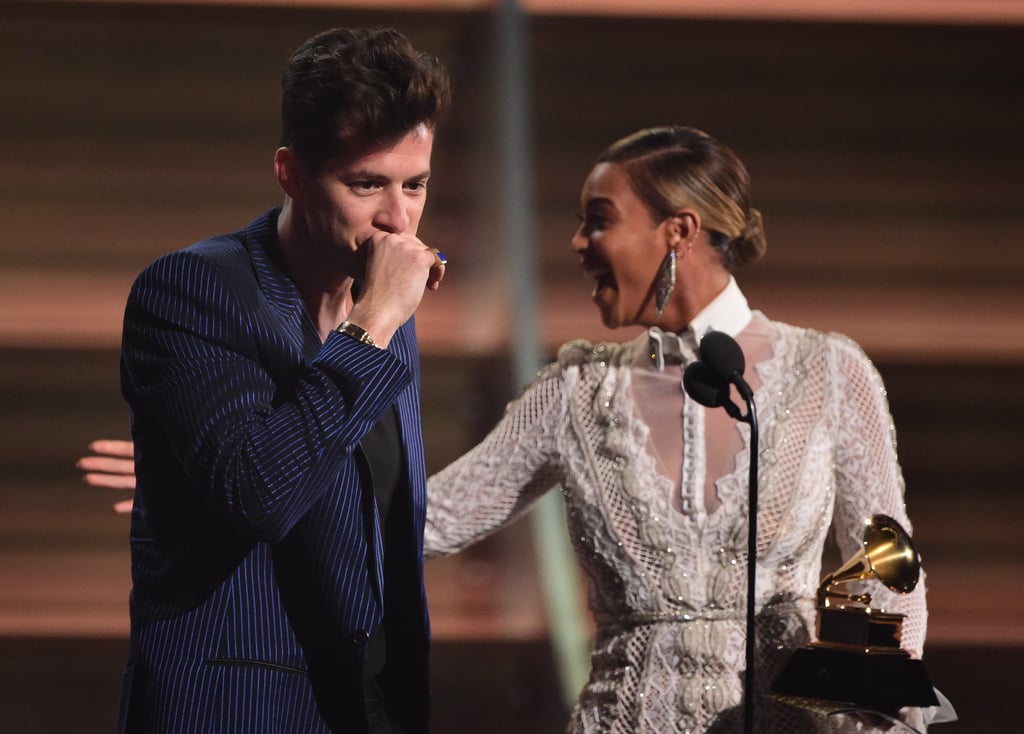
(857, 661)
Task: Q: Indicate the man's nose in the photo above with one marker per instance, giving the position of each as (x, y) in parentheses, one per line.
(393, 215)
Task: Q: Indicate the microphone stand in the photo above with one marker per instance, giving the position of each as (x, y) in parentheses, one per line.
(707, 381)
(748, 675)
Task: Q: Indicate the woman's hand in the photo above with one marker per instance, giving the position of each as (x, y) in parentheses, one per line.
(111, 465)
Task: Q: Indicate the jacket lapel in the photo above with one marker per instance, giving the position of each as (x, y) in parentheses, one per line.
(280, 292)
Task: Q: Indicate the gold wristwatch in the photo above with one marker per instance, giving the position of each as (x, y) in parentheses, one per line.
(356, 332)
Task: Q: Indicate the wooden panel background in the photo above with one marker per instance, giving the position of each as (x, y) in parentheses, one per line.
(887, 160)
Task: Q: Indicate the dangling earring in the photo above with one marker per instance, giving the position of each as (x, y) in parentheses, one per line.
(664, 283)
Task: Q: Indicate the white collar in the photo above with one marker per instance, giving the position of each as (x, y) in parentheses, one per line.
(728, 312)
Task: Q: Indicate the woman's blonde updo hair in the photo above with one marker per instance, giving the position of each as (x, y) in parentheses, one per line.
(670, 168)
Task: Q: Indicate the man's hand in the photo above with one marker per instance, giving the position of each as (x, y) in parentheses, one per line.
(111, 465)
(399, 268)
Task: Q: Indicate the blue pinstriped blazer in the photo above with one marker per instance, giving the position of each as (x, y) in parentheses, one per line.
(258, 565)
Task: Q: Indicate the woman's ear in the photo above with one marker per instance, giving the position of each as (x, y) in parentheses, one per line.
(683, 226)
(287, 168)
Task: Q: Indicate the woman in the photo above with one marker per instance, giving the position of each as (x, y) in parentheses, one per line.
(656, 485)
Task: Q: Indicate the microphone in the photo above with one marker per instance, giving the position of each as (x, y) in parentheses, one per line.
(707, 387)
(723, 355)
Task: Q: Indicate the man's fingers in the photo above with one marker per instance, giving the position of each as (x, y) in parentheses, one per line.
(102, 471)
(113, 447)
(106, 464)
(110, 481)
(123, 507)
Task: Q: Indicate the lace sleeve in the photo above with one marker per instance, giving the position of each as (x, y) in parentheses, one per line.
(498, 480)
(868, 476)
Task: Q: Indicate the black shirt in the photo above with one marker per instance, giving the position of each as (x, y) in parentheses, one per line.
(382, 448)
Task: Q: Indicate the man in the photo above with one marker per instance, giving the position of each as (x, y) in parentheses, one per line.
(273, 380)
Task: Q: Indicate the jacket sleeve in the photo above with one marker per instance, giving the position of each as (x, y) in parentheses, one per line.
(201, 358)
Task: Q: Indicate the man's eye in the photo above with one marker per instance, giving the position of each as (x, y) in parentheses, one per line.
(416, 186)
(363, 186)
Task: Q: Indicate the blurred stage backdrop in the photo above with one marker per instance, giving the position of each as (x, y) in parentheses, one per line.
(887, 157)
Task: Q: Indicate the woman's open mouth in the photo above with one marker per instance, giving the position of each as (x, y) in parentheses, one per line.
(606, 280)
(602, 275)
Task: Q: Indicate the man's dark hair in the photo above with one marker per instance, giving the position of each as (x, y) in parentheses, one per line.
(348, 91)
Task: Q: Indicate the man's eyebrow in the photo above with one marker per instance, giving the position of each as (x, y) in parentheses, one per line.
(366, 173)
(363, 173)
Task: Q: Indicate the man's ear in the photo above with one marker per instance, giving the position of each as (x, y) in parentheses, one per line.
(287, 170)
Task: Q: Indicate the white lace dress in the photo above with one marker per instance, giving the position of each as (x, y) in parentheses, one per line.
(656, 494)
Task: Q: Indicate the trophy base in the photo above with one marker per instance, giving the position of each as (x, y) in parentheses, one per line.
(859, 629)
(879, 682)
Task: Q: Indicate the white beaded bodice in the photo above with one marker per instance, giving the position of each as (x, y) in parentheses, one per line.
(666, 554)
